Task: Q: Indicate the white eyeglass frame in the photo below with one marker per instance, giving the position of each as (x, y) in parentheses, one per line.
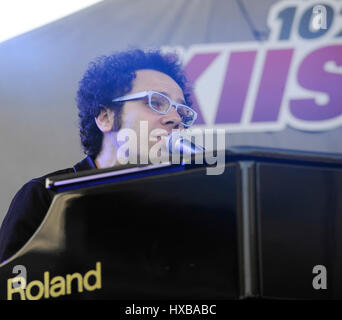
(149, 93)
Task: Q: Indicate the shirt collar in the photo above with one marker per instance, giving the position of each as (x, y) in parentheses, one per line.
(86, 164)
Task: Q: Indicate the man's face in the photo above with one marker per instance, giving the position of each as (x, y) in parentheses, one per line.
(135, 111)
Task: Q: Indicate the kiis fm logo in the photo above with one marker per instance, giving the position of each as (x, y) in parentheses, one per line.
(294, 78)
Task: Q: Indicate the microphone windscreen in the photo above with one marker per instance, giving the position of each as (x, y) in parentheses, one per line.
(176, 143)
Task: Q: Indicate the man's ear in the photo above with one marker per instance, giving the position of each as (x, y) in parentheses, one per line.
(105, 120)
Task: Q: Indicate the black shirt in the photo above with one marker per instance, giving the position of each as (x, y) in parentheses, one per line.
(28, 209)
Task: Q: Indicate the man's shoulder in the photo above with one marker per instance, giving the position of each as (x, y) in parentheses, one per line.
(41, 180)
(35, 191)
(85, 164)
(28, 209)
(26, 212)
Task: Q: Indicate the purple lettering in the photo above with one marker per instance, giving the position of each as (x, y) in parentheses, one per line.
(235, 87)
(194, 68)
(272, 85)
(312, 76)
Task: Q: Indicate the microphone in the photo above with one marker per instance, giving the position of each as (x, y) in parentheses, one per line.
(175, 142)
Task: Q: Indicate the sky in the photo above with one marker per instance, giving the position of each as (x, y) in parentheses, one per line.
(20, 16)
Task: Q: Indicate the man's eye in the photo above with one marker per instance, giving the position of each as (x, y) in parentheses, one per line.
(156, 103)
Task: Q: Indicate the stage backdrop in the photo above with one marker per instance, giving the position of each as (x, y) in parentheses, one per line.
(259, 68)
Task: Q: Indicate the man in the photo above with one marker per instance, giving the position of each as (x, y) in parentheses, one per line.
(117, 92)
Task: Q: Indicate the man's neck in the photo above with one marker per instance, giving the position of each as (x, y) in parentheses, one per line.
(105, 161)
(107, 156)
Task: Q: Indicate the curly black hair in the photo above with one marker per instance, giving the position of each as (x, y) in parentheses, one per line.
(108, 77)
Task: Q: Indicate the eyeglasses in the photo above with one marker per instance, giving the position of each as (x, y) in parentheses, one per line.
(162, 104)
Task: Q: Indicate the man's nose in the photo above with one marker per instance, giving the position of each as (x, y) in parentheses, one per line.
(172, 118)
